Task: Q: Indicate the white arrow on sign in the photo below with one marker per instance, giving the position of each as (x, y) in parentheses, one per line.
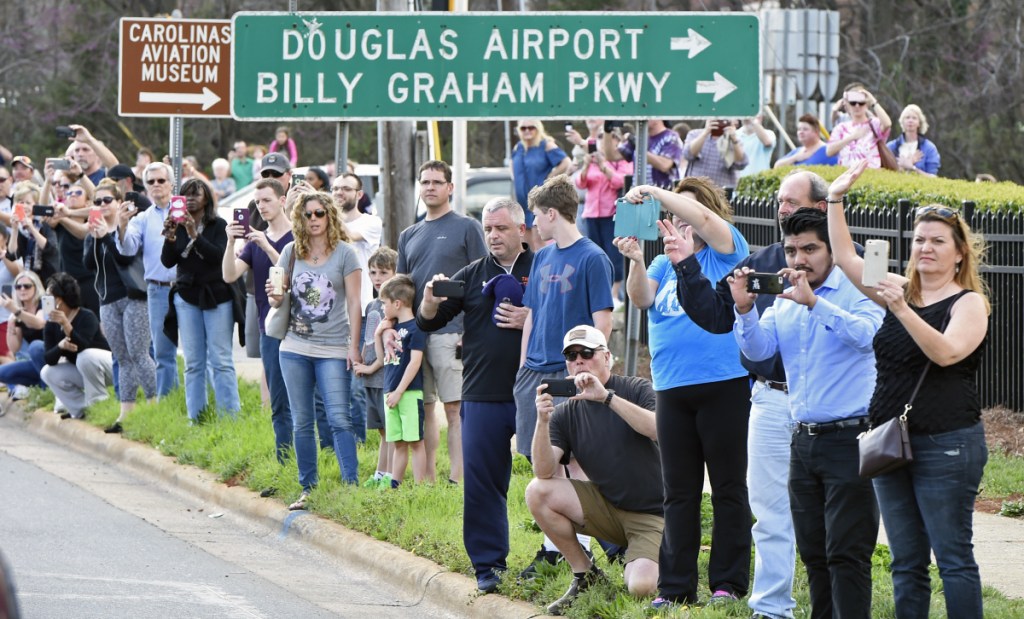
(207, 98)
(692, 41)
(720, 87)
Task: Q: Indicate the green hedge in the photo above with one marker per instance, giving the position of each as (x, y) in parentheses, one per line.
(886, 187)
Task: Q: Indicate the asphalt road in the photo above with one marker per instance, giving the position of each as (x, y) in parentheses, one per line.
(84, 540)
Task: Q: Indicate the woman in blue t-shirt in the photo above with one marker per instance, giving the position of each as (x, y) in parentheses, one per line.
(534, 159)
(703, 397)
(812, 148)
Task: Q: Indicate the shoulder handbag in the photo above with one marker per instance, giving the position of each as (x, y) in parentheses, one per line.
(276, 324)
(885, 448)
(888, 159)
(639, 220)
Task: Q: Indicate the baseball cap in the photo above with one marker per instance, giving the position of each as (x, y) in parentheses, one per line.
(23, 160)
(584, 335)
(120, 171)
(276, 162)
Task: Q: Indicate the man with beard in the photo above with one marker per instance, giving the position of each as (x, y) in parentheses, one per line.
(91, 154)
(364, 230)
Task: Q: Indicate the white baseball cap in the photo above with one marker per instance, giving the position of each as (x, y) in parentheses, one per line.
(584, 335)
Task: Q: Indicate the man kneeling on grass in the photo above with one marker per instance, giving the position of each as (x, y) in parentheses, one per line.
(609, 428)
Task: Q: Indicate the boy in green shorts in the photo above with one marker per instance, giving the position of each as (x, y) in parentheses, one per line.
(403, 380)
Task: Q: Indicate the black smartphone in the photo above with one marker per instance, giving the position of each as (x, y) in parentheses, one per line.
(241, 217)
(561, 387)
(591, 147)
(7, 290)
(450, 288)
(765, 283)
(42, 210)
(65, 132)
(610, 125)
(59, 164)
(296, 179)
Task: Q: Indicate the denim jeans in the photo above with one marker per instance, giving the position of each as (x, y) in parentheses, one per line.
(280, 413)
(25, 371)
(357, 407)
(165, 353)
(305, 376)
(205, 337)
(768, 444)
(929, 505)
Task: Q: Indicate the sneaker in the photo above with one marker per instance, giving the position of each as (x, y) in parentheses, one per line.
(551, 557)
(114, 428)
(664, 603)
(268, 492)
(488, 581)
(300, 503)
(373, 482)
(20, 393)
(720, 596)
(579, 584)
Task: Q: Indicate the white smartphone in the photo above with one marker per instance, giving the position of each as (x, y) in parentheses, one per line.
(49, 304)
(277, 279)
(876, 262)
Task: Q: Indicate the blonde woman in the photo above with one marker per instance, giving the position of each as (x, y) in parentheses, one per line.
(322, 342)
(857, 139)
(32, 239)
(24, 335)
(536, 158)
(913, 151)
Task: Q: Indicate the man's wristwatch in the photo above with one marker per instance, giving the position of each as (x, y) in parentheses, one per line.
(608, 398)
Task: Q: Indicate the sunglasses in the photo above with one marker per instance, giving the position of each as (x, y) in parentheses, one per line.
(270, 174)
(942, 211)
(527, 128)
(65, 186)
(586, 353)
(103, 200)
(318, 213)
(155, 181)
(4, 179)
(857, 102)
(76, 192)
(24, 286)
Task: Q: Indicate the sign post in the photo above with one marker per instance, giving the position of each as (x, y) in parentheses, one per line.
(372, 66)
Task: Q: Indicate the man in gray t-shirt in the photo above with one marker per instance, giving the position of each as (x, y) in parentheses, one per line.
(443, 242)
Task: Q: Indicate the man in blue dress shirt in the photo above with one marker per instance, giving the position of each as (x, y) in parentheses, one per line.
(822, 327)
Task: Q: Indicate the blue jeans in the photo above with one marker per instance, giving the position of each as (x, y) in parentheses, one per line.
(26, 370)
(206, 341)
(280, 413)
(929, 505)
(305, 376)
(770, 433)
(165, 353)
(357, 407)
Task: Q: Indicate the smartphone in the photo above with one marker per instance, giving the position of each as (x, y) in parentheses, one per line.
(296, 179)
(178, 209)
(240, 216)
(59, 164)
(49, 304)
(591, 147)
(95, 215)
(7, 290)
(42, 210)
(876, 262)
(19, 211)
(132, 198)
(765, 283)
(561, 387)
(277, 279)
(65, 132)
(450, 288)
(568, 127)
(718, 128)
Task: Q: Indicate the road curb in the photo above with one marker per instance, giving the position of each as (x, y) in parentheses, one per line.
(453, 592)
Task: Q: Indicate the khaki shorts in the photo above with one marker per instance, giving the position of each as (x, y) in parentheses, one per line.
(442, 372)
(640, 533)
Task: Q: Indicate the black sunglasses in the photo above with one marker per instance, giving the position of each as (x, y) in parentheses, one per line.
(271, 174)
(154, 181)
(320, 213)
(103, 200)
(586, 353)
(24, 286)
(942, 211)
(857, 102)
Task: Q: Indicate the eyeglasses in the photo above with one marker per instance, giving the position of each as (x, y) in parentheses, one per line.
(24, 286)
(270, 174)
(942, 211)
(73, 193)
(318, 213)
(155, 181)
(65, 186)
(527, 128)
(586, 353)
(103, 200)
(857, 102)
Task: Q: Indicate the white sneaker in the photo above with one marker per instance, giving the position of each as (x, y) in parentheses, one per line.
(20, 393)
(59, 407)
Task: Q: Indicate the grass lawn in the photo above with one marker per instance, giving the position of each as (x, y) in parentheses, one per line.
(427, 519)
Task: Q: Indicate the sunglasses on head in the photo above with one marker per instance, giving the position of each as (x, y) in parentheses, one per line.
(318, 213)
(271, 174)
(942, 211)
(586, 353)
(103, 200)
(154, 181)
(24, 286)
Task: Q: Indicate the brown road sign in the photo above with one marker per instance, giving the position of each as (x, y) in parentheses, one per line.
(175, 67)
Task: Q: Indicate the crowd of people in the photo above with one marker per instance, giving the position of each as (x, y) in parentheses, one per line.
(506, 323)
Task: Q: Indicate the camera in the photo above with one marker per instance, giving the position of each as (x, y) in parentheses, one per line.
(66, 132)
(59, 164)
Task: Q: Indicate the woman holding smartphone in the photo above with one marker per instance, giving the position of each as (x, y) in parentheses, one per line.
(202, 303)
(121, 290)
(32, 240)
(322, 342)
(24, 335)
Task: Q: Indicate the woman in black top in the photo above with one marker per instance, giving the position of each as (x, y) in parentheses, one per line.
(121, 290)
(203, 303)
(24, 333)
(939, 321)
(72, 334)
(32, 239)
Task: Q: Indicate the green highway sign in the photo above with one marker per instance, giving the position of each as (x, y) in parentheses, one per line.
(372, 66)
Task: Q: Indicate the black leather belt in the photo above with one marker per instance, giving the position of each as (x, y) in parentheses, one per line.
(156, 283)
(813, 429)
(773, 384)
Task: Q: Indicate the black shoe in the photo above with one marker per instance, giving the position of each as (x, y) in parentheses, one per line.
(65, 415)
(268, 492)
(551, 557)
(488, 581)
(579, 584)
(114, 429)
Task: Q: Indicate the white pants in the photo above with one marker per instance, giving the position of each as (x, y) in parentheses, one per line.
(83, 383)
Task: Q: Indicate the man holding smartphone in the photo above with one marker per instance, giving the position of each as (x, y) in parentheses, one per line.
(621, 499)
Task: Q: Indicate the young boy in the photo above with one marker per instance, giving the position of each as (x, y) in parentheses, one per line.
(403, 381)
(381, 265)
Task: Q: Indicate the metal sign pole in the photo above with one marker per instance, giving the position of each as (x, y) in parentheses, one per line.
(341, 149)
(632, 311)
(176, 148)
